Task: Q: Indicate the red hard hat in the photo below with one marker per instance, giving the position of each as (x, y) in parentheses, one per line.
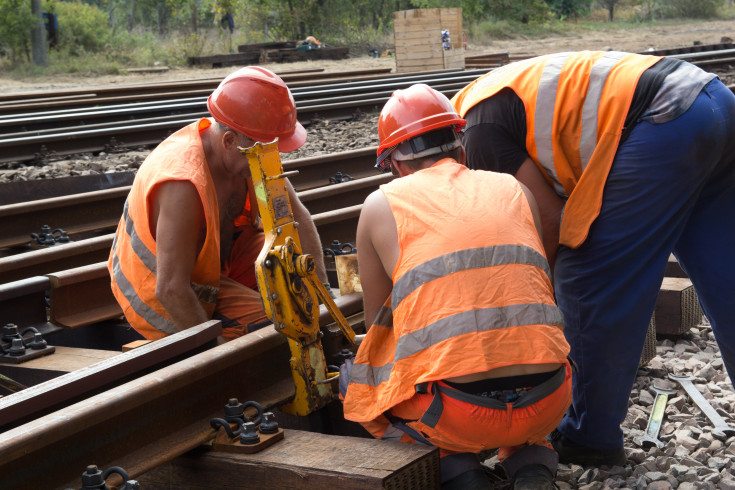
(413, 111)
(255, 101)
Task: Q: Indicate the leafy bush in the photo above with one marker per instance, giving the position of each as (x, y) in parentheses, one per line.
(82, 27)
(696, 9)
(565, 9)
(671, 9)
(15, 27)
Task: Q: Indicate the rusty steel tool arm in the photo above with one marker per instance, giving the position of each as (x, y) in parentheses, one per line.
(288, 283)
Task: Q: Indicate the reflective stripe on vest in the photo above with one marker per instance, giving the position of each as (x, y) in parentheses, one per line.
(545, 111)
(454, 312)
(461, 260)
(126, 288)
(206, 294)
(456, 325)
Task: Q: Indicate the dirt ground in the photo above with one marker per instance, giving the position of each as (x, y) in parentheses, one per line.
(640, 39)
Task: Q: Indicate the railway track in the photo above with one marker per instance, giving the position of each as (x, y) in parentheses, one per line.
(34, 135)
(706, 56)
(88, 96)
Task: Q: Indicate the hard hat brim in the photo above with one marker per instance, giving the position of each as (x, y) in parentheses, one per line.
(294, 141)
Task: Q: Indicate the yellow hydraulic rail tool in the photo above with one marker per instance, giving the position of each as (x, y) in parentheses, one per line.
(289, 285)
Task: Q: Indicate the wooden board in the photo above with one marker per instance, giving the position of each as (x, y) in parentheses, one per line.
(305, 460)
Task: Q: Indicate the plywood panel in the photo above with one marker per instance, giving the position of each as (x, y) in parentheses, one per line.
(417, 35)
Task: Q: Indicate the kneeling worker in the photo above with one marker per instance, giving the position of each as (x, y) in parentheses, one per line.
(189, 235)
(466, 351)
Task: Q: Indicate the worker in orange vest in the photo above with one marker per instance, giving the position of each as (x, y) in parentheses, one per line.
(630, 157)
(186, 244)
(466, 349)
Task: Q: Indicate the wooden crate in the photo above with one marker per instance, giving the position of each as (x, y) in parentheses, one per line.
(418, 39)
(677, 307)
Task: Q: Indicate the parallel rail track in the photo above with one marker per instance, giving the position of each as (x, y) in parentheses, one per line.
(33, 135)
(706, 56)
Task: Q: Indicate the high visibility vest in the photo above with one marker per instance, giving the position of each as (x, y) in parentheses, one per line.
(471, 290)
(576, 104)
(132, 262)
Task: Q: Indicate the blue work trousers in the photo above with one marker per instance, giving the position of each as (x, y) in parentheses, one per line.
(671, 188)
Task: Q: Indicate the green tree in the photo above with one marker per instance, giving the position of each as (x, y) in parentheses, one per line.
(569, 8)
(82, 27)
(517, 10)
(697, 9)
(15, 28)
(610, 6)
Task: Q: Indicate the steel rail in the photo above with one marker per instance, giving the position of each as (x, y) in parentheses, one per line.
(149, 420)
(30, 190)
(19, 113)
(78, 95)
(75, 214)
(58, 258)
(137, 133)
(99, 211)
(40, 399)
(334, 224)
(99, 113)
(337, 224)
(110, 138)
(703, 56)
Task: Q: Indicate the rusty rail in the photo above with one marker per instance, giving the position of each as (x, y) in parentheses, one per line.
(31, 136)
(92, 95)
(100, 211)
(96, 211)
(73, 290)
(40, 399)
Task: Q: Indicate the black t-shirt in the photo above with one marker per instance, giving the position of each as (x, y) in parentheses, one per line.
(495, 135)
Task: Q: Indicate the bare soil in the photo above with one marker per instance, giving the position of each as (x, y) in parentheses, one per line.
(669, 35)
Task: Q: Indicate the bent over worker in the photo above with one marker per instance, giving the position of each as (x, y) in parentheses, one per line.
(466, 350)
(630, 157)
(185, 247)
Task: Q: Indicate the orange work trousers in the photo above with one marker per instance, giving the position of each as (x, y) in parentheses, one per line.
(239, 303)
(468, 428)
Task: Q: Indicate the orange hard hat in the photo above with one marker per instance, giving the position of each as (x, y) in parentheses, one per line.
(413, 111)
(255, 102)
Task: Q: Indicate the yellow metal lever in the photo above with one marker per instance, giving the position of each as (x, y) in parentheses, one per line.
(288, 282)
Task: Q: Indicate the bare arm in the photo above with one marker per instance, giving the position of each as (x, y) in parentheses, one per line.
(377, 252)
(549, 204)
(178, 228)
(310, 242)
(534, 210)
